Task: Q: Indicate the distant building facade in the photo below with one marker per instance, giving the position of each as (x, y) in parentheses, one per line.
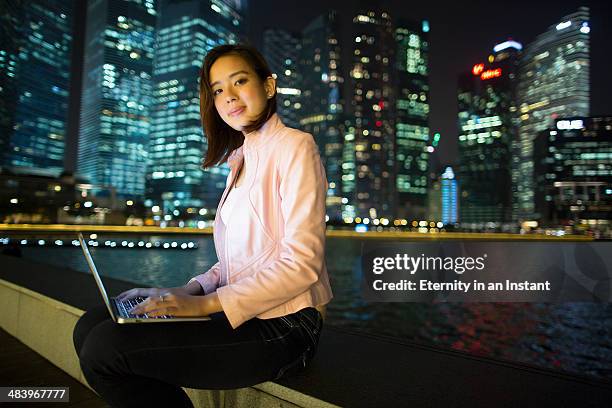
(573, 172)
(323, 104)
(35, 69)
(413, 140)
(117, 94)
(449, 188)
(553, 83)
(488, 128)
(282, 50)
(187, 30)
(369, 159)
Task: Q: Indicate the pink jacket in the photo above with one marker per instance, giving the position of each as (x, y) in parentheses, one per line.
(272, 253)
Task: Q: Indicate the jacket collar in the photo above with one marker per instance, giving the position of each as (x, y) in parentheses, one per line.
(256, 138)
(271, 127)
(235, 157)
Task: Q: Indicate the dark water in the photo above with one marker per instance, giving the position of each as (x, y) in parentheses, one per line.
(573, 337)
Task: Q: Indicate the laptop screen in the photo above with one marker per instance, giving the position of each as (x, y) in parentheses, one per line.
(94, 271)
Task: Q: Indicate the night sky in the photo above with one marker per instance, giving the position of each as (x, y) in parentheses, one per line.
(462, 34)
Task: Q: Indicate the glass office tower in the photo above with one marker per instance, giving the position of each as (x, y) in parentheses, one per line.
(323, 103)
(369, 156)
(186, 31)
(573, 173)
(488, 128)
(553, 83)
(281, 50)
(11, 13)
(117, 95)
(450, 197)
(35, 62)
(412, 136)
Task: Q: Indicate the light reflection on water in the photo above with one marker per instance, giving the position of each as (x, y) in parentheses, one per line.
(574, 337)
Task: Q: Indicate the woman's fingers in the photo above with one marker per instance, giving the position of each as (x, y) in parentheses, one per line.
(150, 292)
(156, 306)
(167, 303)
(153, 303)
(128, 294)
(167, 310)
(135, 292)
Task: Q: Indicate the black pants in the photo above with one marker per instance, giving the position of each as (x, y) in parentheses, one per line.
(147, 364)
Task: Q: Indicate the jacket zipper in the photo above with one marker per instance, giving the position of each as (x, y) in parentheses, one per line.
(227, 226)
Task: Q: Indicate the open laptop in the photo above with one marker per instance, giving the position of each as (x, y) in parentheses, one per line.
(119, 310)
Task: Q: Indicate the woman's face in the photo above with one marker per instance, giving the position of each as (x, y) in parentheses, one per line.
(240, 96)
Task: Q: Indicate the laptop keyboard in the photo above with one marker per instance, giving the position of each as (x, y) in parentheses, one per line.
(130, 303)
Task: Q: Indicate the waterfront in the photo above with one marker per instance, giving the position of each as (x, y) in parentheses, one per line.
(574, 337)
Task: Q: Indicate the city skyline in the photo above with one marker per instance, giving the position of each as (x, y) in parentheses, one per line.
(371, 116)
(454, 48)
(460, 37)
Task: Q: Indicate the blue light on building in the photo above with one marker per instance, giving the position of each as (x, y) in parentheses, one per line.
(450, 197)
(361, 228)
(425, 26)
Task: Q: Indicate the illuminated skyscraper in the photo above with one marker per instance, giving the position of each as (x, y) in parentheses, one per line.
(450, 197)
(35, 68)
(554, 83)
(281, 49)
(573, 173)
(488, 128)
(117, 91)
(413, 142)
(369, 149)
(322, 101)
(10, 16)
(187, 30)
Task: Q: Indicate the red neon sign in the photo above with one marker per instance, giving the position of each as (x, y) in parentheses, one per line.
(491, 73)
(477, 69)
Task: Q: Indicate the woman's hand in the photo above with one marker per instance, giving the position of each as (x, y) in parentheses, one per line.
(172, 304)
(149, 292)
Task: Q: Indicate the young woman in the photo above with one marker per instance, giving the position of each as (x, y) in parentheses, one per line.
(271, 278)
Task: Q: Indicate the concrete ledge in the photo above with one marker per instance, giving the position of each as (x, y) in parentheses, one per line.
(45, 325)
(41, 323)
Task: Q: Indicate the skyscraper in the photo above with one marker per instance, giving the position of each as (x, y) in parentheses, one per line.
(412, 136)
(553, 83)
(281, 49)
(35, 67)
(11, 13)
(322, 112)
(187, 30)
(573, 173)
(488, 128)
(369, 149)
(117, 92)
(450, 197)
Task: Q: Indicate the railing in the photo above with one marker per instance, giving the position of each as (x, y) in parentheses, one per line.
(53, 229)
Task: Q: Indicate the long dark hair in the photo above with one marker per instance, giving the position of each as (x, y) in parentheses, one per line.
(222, 138)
